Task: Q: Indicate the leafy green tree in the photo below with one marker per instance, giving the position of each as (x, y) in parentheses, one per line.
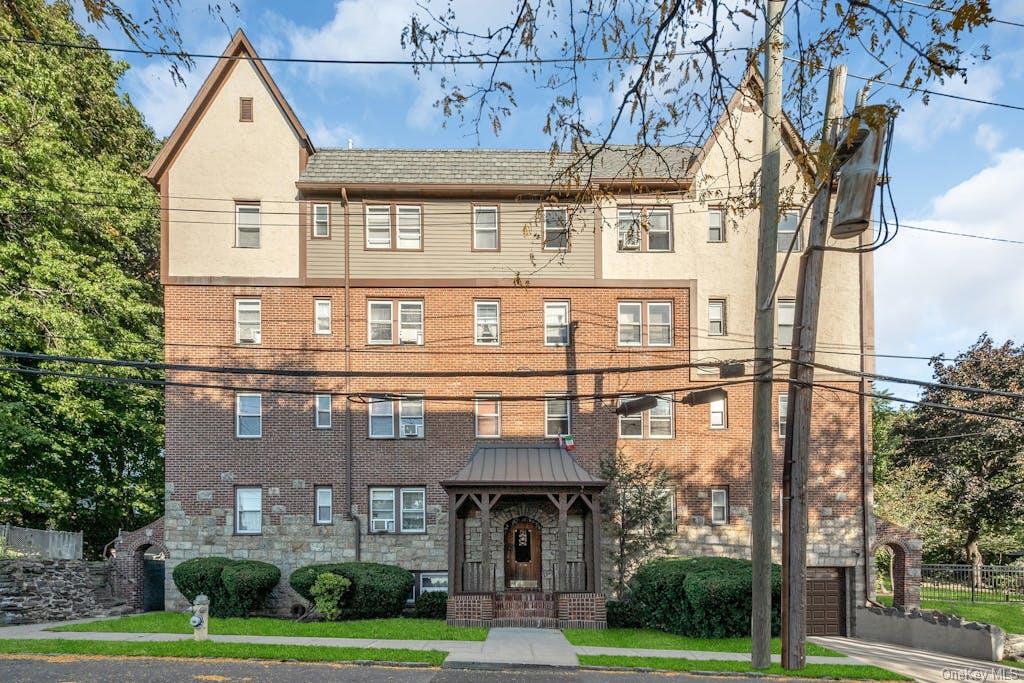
(975, 463)
(79, 238)
(637, 507)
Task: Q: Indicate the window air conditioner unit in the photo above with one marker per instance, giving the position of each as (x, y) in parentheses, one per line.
(382, 525)
(249, 336)
(488, 334)
(410, 430)
(410, 336)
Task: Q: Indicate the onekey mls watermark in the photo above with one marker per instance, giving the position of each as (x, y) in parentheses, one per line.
(974, 674)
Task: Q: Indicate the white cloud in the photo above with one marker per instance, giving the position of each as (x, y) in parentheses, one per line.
(938, 293)
(161, 100)
(337, 135)
(988, 137)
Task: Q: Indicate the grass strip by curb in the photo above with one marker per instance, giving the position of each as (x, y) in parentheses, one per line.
(377, 629)
(649, 639)
(210, 649)
(840, 671)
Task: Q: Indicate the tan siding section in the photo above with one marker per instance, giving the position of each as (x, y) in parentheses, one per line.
(447, 245)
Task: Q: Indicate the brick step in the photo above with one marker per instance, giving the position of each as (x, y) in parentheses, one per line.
(525, 622)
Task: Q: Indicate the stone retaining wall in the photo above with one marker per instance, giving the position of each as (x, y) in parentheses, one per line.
(35, 591)
(931, 630)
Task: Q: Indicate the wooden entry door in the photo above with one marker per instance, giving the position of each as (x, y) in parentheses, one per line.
(522, 555)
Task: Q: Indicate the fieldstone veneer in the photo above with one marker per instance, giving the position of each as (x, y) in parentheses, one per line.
(35, 591)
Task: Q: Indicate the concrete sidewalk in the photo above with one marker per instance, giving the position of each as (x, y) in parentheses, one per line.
(921, 665)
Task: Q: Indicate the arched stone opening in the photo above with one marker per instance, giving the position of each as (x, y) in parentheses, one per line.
(904, 548)
(138, 561)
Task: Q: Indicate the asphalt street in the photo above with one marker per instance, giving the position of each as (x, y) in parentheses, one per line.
(78, 669)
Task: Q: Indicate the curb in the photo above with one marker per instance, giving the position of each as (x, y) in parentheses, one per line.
(718, 674)
(505, 666)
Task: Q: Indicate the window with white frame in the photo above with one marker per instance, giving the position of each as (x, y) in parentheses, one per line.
(378, 227)
(720, 506)
(669, 495)
(433, 582)
(382, 419)
(247, 226)
(382, 510)
(485, 228)
(248, 510)
(380, 322)
(629, 229)
(631, 426)
(488, 416)
(556, 417)
(556, 323)
(784, 317)
(323, 411)
(324, 505)
(248, 321)
(414, 510)
(410, 418)
(789, 226)
(660, 419)
(322, 313)
(556, 228)
(487, 322)
(783, 414)
(716, 317)
(405, 422)
(659, 323)
(248, 416)
(659, 230)
(716, 225)
(718, 414)
(410, 322)
(630, 323)
(321, 220)
(410, 229)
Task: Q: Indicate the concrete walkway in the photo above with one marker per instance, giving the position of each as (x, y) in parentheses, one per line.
(921, 665)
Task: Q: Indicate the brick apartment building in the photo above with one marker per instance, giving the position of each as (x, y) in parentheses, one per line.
(330, 274)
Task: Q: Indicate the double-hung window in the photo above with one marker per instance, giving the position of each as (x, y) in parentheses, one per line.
(556, 417)
(644, 229)
(382, 419)
(321, 220)
(410, 322)
(716, 225)
(248, 510)
(378, 227)
(630, 323)
(323, 411)
(381, 323)
(414, 510)
(485, 228)
(322, 313)
(720, 506)
(248, 416)
(783, 414)
(247, 225)
(248, 321)
(660, 419)
(629, 229)
(487, 323)
(659, 230)
(659, 323)
(789, 227)
(410, 229)
(718, 414)
(556, 228)
(410, 418)
(716, 317)
(324, 505)
(488, 416)
(556, 323)
(631, 426)
(409, 422)
(784, 320)
(382, 510)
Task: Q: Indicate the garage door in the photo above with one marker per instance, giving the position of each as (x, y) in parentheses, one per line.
(826, 601)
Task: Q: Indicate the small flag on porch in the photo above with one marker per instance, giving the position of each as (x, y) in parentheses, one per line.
(567, 442)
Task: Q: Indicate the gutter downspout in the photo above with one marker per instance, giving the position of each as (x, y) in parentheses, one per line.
(349, 500)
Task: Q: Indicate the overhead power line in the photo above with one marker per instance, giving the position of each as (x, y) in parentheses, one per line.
(949, 11)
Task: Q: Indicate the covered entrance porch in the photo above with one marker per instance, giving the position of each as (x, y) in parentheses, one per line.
(524, 540)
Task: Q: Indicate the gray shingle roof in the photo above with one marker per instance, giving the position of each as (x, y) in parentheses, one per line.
(483, 166)
(507, 465)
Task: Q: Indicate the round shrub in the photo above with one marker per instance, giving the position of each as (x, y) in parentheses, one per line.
(248, 584)
(378, 590)
(202, 575)
(702, 597)
(329, 594)
(432, 605)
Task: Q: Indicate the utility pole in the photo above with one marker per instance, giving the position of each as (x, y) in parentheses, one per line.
(798, 425)
(764, 341)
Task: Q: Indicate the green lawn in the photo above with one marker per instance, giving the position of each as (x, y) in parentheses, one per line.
(659, 640)
(190, 648)
(840, 671)
(1008, 616)
(384, 629)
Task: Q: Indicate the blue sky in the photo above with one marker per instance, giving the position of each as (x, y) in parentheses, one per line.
(956, 166)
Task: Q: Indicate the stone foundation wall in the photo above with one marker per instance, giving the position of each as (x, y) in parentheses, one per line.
(36, 591)
(931, 630)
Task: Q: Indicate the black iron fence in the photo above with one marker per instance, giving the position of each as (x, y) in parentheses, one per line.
(965, 583)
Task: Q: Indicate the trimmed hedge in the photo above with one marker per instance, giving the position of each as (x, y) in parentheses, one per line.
(236, 588)
(432, 605)
(701, 597)
(624, 614)
(378, 590)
